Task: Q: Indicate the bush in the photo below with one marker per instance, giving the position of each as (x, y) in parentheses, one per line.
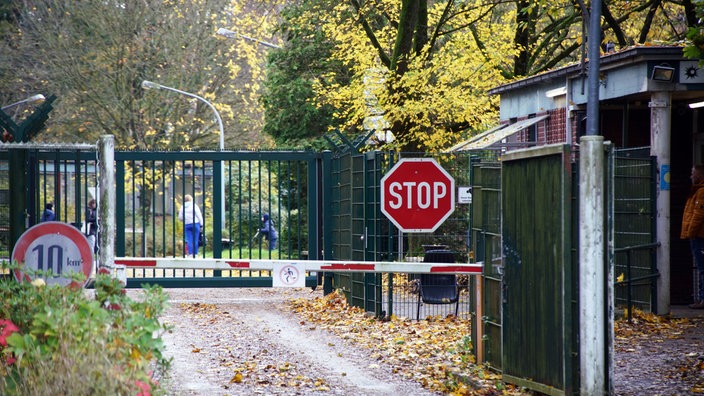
(58, 340)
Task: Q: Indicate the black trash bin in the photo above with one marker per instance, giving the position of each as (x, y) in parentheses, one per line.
(438, 288)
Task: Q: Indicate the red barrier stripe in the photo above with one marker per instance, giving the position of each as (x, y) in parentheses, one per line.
(357, 267)
(238, 264)
(462, 268)
(137, 263)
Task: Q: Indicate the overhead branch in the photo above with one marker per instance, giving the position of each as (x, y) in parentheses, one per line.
(383, 56)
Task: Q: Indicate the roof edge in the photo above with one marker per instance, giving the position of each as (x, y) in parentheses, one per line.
(630, 55)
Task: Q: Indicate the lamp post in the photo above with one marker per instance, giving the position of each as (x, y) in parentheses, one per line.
(38, 98)
(232, 34)
(152, 85)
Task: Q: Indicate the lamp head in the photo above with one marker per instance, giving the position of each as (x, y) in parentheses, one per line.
(226, 33)
(150, 85)
(38, 99)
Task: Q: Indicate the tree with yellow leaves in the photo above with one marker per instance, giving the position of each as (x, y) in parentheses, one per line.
(422, 69)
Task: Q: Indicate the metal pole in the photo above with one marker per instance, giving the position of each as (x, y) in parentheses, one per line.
(594, 52)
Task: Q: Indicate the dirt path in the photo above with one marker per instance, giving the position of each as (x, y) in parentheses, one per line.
(220, 333)
(247, 342)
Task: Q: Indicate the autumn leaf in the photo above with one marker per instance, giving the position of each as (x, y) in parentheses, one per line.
(236, 379)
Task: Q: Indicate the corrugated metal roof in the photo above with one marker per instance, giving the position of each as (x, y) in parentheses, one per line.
(495, 135)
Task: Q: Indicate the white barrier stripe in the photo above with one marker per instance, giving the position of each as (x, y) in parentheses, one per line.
(308, 265)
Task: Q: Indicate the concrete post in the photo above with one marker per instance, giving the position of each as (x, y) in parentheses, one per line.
(660, 142)
(592, 274)
(106, 210)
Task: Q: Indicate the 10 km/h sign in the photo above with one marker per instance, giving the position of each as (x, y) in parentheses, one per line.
(417, 195)
(53, 247)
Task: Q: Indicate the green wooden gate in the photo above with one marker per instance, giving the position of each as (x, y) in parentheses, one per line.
(539, 295)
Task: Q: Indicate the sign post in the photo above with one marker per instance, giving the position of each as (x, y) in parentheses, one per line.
(56, 247)
(417, 195)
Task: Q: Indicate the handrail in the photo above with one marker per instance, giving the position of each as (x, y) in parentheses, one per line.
(629, 280)
(637, 247)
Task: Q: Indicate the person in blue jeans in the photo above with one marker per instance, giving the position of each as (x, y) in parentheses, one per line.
(192, 219)
(269, 231)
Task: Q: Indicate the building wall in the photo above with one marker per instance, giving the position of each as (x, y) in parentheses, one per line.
(556, 127)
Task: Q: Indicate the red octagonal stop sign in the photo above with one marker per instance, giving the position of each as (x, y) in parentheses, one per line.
(417, 195)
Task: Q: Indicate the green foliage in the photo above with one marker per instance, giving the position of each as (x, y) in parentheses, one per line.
(695, 36)
(69, 343)
(293, 115)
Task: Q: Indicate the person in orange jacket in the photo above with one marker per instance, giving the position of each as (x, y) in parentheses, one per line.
(693, 229)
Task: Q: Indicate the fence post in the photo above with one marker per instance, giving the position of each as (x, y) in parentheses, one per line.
(325, 230)
(592, 276)
(106, 214)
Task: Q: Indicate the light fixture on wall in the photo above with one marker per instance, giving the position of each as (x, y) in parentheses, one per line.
(663, 73)
(696, 105)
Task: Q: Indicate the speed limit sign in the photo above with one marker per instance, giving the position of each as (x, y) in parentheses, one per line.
(56, 247)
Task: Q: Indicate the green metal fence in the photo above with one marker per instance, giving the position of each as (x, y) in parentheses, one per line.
(486, 231)
(325, 205)
(634, 221)
(33, 175)
(358, 230)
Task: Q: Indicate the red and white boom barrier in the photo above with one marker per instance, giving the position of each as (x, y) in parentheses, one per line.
(307, 265)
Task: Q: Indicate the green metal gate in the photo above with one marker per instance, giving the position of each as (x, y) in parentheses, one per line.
(486, 231)
(635, 239)
(247, 184)
(359, 231)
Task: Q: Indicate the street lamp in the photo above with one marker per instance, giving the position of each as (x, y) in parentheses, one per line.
(38, 98)
(152, 85)
(232, 34)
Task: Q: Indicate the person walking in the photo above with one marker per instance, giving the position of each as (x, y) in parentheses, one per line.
(269, 231)
(693, 229)
(192, 219)
(48, 214)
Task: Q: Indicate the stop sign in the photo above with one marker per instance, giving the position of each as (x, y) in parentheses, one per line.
(417, 195)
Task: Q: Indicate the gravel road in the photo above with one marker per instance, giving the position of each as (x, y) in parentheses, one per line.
(247, 342)
(220, 333)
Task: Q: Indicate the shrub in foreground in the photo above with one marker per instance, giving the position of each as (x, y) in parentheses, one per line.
(68, 341)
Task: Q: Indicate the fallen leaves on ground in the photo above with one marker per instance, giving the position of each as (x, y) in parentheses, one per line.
(263, 368)
(648, 330)
(645, 324)
(434, 352)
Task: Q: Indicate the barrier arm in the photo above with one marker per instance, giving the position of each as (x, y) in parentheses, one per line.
(307, 265)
